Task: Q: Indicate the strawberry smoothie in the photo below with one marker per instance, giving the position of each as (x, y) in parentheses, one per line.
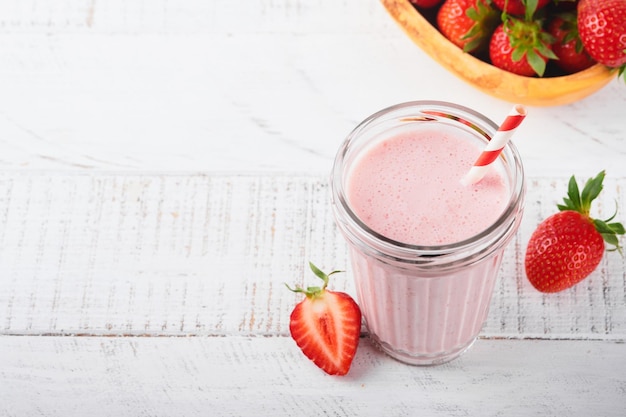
(425, 249)
(406, 189)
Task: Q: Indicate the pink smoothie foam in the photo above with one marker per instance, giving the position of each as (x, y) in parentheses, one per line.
(407, 188)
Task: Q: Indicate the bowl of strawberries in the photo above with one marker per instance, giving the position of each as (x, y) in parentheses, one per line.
(534, 52)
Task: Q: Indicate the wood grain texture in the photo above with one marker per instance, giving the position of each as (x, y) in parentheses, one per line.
(241, 376)
(163, 172)
(252, 86)
(187, 16)
(150, 254)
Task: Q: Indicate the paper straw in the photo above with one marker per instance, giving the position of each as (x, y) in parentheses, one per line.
(495, 145)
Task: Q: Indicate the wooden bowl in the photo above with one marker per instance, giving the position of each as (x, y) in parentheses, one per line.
(548, 91)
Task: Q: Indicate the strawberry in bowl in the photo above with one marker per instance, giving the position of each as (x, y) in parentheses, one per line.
(521, 47)
(521, 64)
(520, 7)
(568, 47)
(602, 29)
(467, 23)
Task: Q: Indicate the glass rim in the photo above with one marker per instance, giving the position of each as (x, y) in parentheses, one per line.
(435, 111)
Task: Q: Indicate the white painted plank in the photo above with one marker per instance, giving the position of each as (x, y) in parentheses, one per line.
(208, 254)
(240, 86)
(234, 376)
(190, 16)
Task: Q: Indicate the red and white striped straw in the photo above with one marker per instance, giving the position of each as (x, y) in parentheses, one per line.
(495, 145)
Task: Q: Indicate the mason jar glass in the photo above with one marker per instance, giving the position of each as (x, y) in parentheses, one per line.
(425, 304)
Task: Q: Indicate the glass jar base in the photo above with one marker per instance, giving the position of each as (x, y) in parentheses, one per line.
(421, 359)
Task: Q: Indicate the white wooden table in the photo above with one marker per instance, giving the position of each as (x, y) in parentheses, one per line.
(163, 171)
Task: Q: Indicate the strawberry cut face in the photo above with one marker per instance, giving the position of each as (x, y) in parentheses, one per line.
(326, 325)
(327, 330)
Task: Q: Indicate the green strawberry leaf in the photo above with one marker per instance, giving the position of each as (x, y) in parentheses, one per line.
(531, 7)
(472, 13)
(569, 205)
(573, 193)
(591, 191)
(472, 45)
(617, 228)
(486, 19)
(527, 38)
(545, 51)
(611, 240)
(517, 54)
(314, 291)
(581, 202)
(536, 62)
(601, 226)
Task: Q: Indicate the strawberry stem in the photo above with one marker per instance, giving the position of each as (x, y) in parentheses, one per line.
(531, 7)
(529, 42)
(486, 19)
(314, 291)
(581, 202)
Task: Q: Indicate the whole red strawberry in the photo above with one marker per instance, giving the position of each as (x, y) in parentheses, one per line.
(520, 7)
(467, 23)
(567, 45)
(568, 246)
(521, 47)
(326, 325)
(602, 29)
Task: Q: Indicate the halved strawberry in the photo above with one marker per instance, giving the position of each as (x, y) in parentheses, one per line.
(326, 325)
(568, 246)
